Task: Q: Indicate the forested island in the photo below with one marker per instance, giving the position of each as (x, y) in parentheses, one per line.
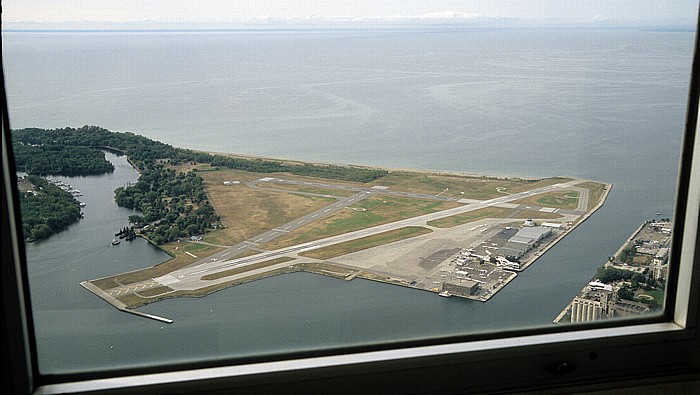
(172, 204)
(46, 209)
(60, 160)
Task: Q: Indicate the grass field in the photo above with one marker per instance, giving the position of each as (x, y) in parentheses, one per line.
(366, 242)
(325, 268)
(596, 189)
(658, 295)
(460, 219)
(155, 291)
(490, 212)
(248, 212)
(534, 214)
(247, 268)
(460, 186)
(372, 211)
(307, 189)
(564, 199)
(179, 260)
(133, 301)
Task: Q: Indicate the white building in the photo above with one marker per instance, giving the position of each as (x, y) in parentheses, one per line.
(552, 225)
(524, 240)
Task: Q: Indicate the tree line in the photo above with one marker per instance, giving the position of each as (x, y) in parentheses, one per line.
(632, 282)
(60, 160)
(171, 205)
(146, 152)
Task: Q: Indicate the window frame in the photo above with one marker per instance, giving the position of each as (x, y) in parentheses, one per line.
(595, 355)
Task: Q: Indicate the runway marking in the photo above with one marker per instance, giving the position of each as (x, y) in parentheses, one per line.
(280, 230)
(260, 239)
(241, 247)
(326, 210)
(223, 255)
(314, 216)
(310, 247)
(300, 222)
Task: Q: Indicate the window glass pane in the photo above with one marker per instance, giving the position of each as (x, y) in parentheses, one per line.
(501, 155)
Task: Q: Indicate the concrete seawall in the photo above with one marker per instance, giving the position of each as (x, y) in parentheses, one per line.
(601, 201)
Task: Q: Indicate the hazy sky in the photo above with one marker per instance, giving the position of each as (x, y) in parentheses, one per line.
(207, 12)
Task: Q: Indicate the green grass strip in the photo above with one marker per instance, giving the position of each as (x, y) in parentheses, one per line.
(246, 268)
(363, 243)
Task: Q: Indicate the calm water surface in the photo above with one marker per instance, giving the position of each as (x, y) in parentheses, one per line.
(603, 105)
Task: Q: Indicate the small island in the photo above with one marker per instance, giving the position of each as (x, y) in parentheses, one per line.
(227, 220)
(47, 207)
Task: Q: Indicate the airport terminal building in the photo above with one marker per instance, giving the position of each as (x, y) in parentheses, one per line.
(524, 240)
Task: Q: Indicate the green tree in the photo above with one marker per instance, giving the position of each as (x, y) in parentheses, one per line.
(626, 292)
(137, 219)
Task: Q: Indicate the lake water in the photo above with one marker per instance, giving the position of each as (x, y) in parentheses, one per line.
(602, 105)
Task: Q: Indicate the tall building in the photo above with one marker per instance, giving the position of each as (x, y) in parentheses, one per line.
(593, 305)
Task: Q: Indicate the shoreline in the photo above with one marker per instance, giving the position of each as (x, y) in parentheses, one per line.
(449, 173)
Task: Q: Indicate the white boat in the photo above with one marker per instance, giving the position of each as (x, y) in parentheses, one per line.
(445, 294)
(115, 242)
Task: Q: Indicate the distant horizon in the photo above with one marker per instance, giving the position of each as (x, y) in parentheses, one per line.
(96, 27)
(347, 14)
